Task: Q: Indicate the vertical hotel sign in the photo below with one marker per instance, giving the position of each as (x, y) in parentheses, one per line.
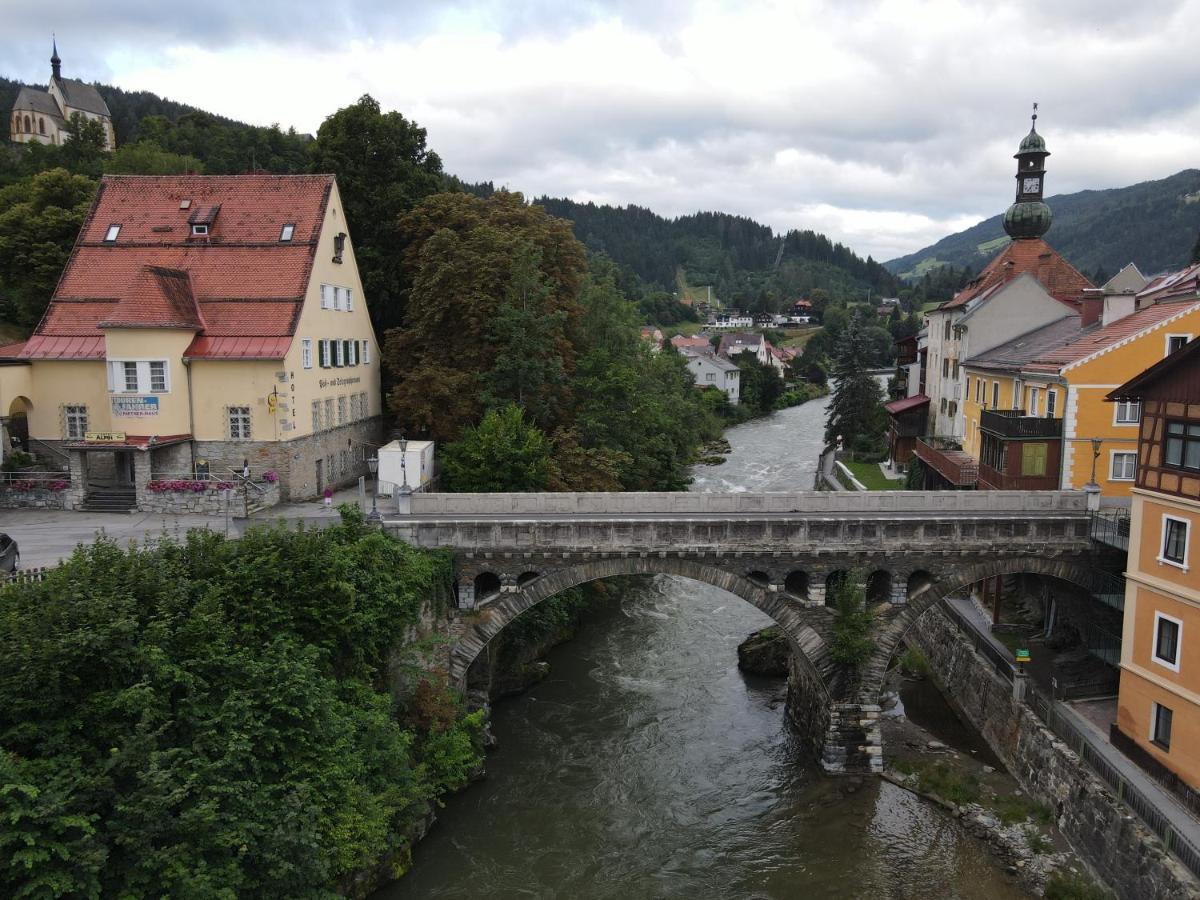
(127, 407)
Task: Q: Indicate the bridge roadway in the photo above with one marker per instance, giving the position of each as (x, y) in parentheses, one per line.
(777, 551)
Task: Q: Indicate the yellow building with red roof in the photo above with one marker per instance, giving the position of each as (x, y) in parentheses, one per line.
(202, 323)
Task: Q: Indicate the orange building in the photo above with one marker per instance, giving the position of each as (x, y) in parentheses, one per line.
(1158, 714)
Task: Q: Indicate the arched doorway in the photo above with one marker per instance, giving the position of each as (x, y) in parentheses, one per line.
(17, 426)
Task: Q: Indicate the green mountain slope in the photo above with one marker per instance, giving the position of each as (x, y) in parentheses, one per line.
(1153, 224)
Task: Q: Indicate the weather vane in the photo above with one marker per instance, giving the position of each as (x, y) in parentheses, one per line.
(1035, 111)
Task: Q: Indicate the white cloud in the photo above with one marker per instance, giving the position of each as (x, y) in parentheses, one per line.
(884, 123)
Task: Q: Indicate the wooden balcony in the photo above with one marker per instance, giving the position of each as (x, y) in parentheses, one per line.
(1014, 423)
(993, 480)
(958, 468)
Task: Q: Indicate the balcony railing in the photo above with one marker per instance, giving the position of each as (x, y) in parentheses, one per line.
(959, 468)
(995, 480)
(1014, 423)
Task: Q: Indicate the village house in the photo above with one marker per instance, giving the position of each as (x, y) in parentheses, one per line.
(1158, 706)
(202, 324)
(42, 116)
(711, 371)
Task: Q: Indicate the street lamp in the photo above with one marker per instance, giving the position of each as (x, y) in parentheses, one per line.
(403, 471)
(373, 465)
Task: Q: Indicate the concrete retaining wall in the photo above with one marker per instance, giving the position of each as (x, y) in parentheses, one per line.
(1119, 848)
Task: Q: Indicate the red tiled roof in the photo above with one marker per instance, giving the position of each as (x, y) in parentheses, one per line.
(1097, 338)
(157, 298)
(12, 351)
(904, 404)
(241, 281)
(1060, 279)
(1173, 285)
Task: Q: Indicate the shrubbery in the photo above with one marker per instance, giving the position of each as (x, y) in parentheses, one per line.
(210, 718)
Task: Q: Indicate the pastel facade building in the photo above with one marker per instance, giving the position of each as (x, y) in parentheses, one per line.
(203, 323)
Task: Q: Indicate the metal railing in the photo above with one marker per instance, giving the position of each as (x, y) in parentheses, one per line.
(1111, 526)
(1015, 423)
(1004, 665)
(33, 478)
(1083, 745)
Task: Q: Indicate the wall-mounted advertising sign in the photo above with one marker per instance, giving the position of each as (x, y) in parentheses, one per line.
(134, 407)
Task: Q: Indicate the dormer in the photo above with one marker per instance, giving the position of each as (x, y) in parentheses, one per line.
(202, 221)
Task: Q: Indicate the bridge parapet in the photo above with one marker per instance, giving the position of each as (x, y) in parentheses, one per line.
(724, 504)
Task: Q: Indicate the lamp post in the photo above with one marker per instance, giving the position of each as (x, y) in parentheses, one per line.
(373, 465)
(403, 460)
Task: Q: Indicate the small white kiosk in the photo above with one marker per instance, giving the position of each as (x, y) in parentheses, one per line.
(404, 467)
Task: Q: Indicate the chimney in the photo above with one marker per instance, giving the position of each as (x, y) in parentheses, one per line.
(1118, 306)
(1091, 309)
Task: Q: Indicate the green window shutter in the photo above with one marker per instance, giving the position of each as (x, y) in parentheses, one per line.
(1033, 459)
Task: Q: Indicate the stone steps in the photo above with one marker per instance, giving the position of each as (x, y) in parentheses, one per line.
(110, 500)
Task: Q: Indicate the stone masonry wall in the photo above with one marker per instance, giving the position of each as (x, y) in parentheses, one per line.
(1119, 848)
(38, 498)
(209, 502)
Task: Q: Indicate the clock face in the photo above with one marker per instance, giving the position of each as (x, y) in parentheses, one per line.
(1031, 185)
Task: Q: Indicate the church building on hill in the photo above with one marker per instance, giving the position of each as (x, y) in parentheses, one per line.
(42, 116)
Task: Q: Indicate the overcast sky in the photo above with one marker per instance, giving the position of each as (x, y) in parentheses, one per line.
(886, 125)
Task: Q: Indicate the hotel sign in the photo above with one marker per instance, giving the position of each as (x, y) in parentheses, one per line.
(104, 437)
(134, 407)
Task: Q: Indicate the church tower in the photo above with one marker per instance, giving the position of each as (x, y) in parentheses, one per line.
(1029, 217)
(55, 62)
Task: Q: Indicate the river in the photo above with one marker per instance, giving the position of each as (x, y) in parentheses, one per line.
(648, 766)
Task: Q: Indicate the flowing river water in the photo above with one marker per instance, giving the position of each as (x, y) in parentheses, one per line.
(648, 766)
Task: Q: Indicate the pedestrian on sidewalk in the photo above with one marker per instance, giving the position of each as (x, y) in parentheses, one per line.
(329, 496)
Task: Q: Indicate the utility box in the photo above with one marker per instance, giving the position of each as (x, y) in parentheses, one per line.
(411, 468)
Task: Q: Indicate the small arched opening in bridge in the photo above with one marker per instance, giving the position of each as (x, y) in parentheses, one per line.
(919, 582)
(833, 583)
(759, 578)
(879, 586)
(796, 584)
(487, 584)
(525, 577)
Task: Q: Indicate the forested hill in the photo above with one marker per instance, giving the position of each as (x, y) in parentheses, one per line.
(1154, 224)
(740, 257)
(225, 146)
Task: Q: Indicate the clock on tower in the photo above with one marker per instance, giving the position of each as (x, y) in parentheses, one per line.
(1029, 217)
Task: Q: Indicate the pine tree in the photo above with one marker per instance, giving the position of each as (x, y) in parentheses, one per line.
(856, 413)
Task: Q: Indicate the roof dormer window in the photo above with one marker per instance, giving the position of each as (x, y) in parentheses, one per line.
(199, 230)
(110, 236)
(286, 232)
(202, 219)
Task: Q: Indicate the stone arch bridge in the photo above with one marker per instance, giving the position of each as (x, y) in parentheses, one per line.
(779, 552)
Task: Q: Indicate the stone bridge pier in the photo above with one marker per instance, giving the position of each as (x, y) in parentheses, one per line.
(785, 554)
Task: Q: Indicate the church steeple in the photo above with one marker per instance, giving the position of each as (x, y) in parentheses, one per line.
(1029, 217)
(55, 62)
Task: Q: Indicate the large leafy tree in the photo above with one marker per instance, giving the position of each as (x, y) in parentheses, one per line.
(483, 270)
(205, 719)
(40, 217)
(856, 413)
(503, 453)
(383, 169)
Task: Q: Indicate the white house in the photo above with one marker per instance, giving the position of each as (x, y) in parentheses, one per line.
(709, 370)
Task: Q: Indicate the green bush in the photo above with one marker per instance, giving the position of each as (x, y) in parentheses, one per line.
(852, 642)
(210, 718)
(1073, 886)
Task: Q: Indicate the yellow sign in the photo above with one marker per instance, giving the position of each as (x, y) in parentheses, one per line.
(1022, 656)
(272, 402)
(104, 437)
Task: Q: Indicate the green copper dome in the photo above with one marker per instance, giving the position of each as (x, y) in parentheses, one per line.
(1030, 219)
(1033, 142)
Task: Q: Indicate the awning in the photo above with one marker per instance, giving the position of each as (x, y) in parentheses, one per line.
(905, 404)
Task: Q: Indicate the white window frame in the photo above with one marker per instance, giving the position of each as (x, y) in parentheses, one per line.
(118, 376)
(1155, 706)
(366, 353)
(246, 432)
(328, 409)
(337, 354)
(1126, 405)
(1035, 401)
(1154, 657)
(166, 377)
(287, 232)
(1162, 543)
(199, 229)
(80, 417)
(328, 296)
(306, 359)
(1167, 341)
(995, 395)
(1017, 390)
(1051, 402)
(343, 414)
(1112, 465)
(349, 300)
(316, 416)
(112, 233)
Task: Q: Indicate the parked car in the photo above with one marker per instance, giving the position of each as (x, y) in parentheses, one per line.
(10, 556)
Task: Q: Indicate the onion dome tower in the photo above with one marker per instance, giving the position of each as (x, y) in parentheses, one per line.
(1029, 217)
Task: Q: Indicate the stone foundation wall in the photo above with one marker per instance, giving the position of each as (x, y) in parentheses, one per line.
(296, 460)
(38, 498)
(1106, 834)
(209, 502)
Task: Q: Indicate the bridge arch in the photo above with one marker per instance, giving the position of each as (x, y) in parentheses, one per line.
(889, 636)
(796, 621)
